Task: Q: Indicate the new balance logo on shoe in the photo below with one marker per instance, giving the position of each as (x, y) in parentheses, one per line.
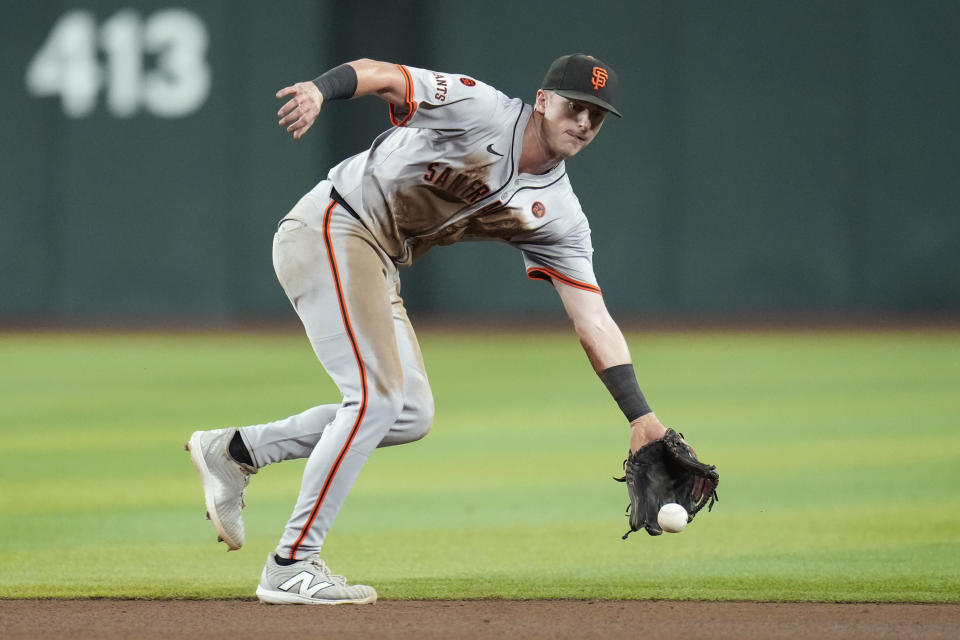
(304, 578)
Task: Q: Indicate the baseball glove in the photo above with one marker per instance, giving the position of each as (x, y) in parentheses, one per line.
(664, 471)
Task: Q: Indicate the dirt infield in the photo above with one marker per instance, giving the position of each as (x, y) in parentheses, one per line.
(239, 619)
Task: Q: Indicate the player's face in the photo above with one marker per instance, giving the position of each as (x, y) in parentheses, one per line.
(568, 125)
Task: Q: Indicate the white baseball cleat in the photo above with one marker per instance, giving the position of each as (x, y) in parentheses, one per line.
(224, 483)
(309, 581)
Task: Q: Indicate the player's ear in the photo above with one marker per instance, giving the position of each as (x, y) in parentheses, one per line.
(541, 105)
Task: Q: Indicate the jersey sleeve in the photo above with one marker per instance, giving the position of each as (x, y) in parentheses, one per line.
(568, 260)
(444, 101)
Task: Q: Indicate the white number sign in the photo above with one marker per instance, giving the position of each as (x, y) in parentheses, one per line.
(158, 64)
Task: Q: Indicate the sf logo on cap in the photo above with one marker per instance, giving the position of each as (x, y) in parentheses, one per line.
(599, 78)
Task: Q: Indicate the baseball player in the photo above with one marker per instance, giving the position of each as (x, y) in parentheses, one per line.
(461, 161)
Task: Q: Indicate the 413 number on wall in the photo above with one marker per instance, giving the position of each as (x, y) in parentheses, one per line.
(155, 64)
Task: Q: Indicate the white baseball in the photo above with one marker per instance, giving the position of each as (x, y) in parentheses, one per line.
(672, 518)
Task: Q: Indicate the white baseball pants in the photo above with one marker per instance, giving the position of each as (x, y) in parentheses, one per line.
(346, 291)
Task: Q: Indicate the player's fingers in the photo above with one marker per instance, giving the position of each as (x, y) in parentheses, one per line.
(289, 106)
(296, 123)
(298, 113)
(286, 91)
(290, 118)
(303, 123)
(299, 132)
(306, 112)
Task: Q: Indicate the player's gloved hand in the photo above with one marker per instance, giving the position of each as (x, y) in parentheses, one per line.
(663, 471)
(300, 111)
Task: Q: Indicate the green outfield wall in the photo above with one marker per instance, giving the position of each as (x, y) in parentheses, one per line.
(774, 158)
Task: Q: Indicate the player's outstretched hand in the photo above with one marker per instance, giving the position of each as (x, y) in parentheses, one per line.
(300, 111)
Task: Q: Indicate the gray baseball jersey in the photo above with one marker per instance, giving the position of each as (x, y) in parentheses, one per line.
(448, 171)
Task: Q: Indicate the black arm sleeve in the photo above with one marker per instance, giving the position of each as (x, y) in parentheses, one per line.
(621, 381)
(339, 83)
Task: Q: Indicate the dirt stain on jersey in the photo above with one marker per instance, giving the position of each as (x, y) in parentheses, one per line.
(445, 191)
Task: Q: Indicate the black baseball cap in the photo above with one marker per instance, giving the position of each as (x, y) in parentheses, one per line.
(581, 77)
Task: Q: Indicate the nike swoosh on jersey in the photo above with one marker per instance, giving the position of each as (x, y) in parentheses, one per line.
(491, 150)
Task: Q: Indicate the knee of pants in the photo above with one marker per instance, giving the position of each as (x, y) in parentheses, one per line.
(419, 405)
(422, 415)
(384, 407)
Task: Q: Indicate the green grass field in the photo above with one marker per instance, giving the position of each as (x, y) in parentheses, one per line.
(839, 456)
